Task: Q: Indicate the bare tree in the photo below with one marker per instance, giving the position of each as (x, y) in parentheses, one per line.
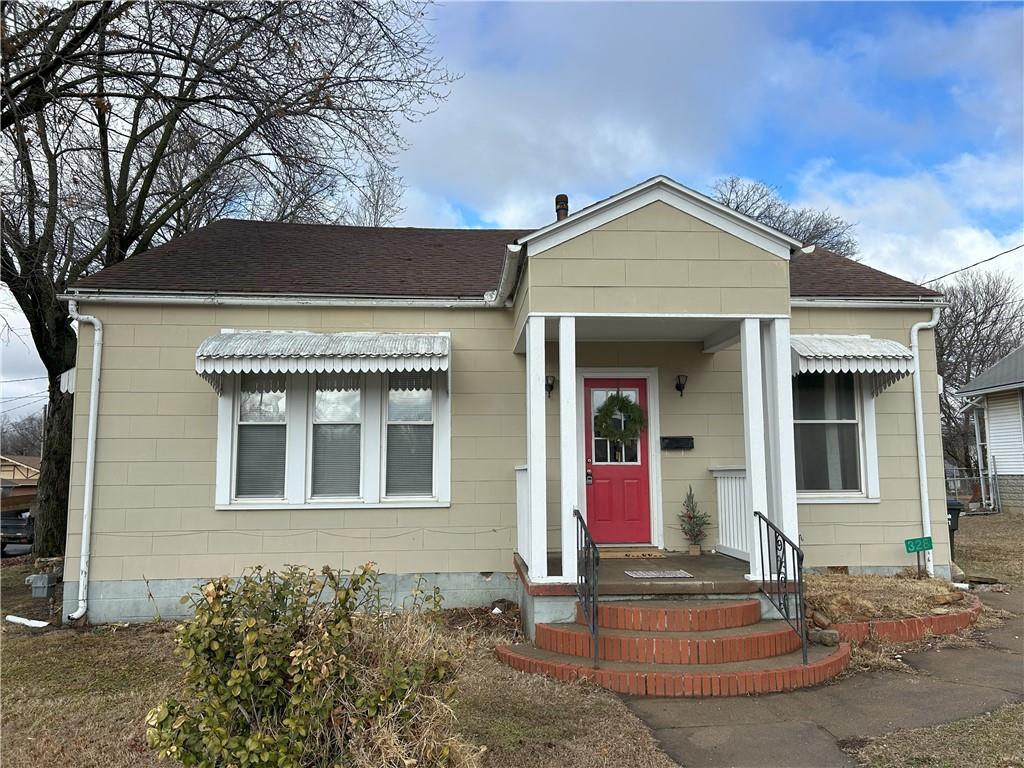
(983, 323)
(763, 202)
(22, 436)
(378, 201)
(129, 123)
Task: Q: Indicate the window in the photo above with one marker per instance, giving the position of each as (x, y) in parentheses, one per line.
(262, 436)
(605, 451)
(337, 433)
(344, 440)
(410, 435)
(827, 433)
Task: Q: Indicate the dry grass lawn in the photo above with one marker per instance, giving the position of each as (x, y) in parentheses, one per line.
(859, 598)
(78, 699)
(994, 740)
(992, 545)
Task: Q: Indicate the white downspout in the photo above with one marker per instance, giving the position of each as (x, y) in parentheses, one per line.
(90, 457)
(922, 463)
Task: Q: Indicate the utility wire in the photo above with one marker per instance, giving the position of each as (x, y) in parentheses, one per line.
(30, 378)
(7, 408)
(24, 397)
(969, 266)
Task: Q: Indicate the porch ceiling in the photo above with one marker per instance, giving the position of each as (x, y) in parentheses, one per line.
(646, 328)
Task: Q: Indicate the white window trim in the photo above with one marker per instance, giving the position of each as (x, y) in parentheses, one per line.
(298, 468)
(867, 438)
(382, 432)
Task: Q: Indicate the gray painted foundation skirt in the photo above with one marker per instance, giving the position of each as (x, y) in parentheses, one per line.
(139, 601)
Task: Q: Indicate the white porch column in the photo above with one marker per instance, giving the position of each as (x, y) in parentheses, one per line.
(536, 449)
(753, 434)
(568, 449)
(780, 418)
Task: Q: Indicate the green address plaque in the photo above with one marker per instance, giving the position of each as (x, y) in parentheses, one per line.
(921, 544)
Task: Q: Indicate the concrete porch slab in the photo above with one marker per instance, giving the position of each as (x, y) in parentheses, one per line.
(713, 574)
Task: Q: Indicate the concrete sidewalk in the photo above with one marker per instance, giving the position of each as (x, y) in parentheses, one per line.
(804, 728)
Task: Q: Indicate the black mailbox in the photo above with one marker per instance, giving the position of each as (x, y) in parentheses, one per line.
(677, 443)
(954, 508)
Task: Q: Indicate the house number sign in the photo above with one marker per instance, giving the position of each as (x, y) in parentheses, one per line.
(922, 544)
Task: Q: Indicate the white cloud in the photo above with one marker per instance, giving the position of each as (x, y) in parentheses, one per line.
(584, 99)
(423, 209)
(912, 226)
(589, 99)
(989, 182)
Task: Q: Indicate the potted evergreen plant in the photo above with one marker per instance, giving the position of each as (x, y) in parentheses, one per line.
(693, 522)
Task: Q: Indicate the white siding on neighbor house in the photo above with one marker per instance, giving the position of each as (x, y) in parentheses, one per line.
(1006, 433)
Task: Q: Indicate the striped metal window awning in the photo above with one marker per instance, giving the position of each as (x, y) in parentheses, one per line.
(305, 352)
(883, 360)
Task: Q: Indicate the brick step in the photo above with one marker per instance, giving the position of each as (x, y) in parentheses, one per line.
(774, 675)
(675, 615)
(753, 641)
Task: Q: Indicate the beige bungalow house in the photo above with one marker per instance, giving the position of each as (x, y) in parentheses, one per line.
(433, 400)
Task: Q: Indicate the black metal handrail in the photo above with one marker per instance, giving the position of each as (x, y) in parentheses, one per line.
(587, 560)
(782, 554)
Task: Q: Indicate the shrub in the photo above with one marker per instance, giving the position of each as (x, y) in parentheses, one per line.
(692, 520)
(299, 669)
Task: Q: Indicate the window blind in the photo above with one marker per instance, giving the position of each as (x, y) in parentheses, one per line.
(410, 436)
(335, 460)
(337, 417)
(262, 436)
(410, 458)
(261, 451)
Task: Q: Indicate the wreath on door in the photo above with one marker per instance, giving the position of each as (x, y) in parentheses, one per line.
(606, 419)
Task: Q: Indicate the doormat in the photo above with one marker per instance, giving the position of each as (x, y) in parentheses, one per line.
(680, 574)
(620, 553)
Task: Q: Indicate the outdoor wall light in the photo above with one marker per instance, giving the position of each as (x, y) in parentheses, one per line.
(549, 384)
(681, 383)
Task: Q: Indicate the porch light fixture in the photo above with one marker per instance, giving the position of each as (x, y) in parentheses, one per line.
(681, 383)
(549, 384)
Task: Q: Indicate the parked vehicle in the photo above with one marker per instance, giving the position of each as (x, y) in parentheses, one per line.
(17, 528)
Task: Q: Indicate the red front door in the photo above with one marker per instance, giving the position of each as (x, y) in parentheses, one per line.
(618, 481)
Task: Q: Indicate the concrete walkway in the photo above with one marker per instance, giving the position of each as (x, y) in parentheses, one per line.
(805, 728)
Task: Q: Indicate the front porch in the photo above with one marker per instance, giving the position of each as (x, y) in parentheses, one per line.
(737, 411)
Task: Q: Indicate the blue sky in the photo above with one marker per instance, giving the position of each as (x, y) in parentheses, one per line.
(907, 119)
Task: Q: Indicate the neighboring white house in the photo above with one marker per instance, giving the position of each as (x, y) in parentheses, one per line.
(996, 400)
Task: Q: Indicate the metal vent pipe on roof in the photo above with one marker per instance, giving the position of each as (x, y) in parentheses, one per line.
(561, 207)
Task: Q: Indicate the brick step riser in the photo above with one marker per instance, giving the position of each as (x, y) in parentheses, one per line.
(669, 650)
(689, 684)
(684, 619)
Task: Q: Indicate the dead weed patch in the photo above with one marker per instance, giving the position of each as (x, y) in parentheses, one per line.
(76, 698)
(995, 739)
(531, 721)
(990, 545)
(864, 597)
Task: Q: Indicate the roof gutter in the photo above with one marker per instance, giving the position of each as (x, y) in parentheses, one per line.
(261, 300)
(1008, 387)
(924, 302)
(922, 463)
(509, 276)
(90, 457)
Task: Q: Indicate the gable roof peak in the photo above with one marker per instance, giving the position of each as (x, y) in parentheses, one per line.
(662, 188)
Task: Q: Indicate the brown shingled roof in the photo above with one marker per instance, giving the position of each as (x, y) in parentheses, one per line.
(255, 257)
(822, 273)
(234, 256)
